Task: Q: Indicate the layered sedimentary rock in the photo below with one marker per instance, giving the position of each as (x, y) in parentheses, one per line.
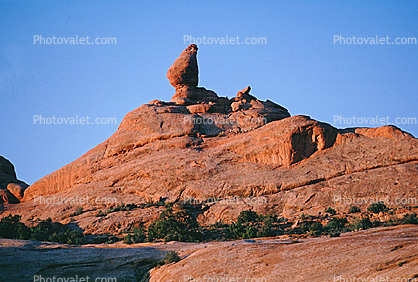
(207, 147)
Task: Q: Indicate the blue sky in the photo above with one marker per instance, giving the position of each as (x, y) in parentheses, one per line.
(299, 68)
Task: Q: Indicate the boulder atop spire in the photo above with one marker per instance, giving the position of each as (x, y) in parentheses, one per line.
(184, 70)
(184, 76)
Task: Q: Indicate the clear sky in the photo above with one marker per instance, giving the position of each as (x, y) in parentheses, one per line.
(299, 67)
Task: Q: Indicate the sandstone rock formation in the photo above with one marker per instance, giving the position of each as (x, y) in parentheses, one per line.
(183, 75)
(11, 189)
(184, 71)
(389, 253)
(243, 152)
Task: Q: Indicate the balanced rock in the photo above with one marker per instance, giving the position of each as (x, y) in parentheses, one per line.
(184, 70)
(11, 189)
(184, 76)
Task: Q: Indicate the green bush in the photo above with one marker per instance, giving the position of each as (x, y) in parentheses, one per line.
(316, 228)
(335, 234)
(12, 228)
(410, 219)
(267, 227)
(138, 236)
(42, 231)
(377, 207)
(170, 257)
(67, 237)
(354, 209)
(330, 211)
(247, 216)
(337, 224)
(180, 226)
(363, 223)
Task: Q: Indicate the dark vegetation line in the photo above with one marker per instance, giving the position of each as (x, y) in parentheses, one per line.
(181, 225)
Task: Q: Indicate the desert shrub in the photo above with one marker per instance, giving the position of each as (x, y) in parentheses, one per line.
(12, 228)
(377, 207)
(250, 232)
(42, 231)
(354, 209)
(247, 216)
(170, 257)
(68, 237)
(330, 211)
(248, 226)
(336, 224)
(335, 234)
(241, 231)
(45, 231)
(138, 236)
(363, 223)
(237, 230)
(316, 228)
(266, 229)
(179, 226)
(410, 219)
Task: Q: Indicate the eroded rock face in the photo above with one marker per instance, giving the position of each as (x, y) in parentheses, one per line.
(287, 167)
(201, 146)
(11, 189)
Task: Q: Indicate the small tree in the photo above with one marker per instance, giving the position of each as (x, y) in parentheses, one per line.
(377, 207)
(12, 228)
(180, 226)
(363, 223)
(247, 216)
(138, 236)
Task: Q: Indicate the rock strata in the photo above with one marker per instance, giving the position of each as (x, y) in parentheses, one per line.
(203, 146)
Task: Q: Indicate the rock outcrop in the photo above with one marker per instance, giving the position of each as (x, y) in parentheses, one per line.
(184, 71)
(243, 150)
(183, 76)
(11, 189)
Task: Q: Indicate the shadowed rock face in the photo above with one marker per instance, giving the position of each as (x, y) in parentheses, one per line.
(11, 189)
(203, 146)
